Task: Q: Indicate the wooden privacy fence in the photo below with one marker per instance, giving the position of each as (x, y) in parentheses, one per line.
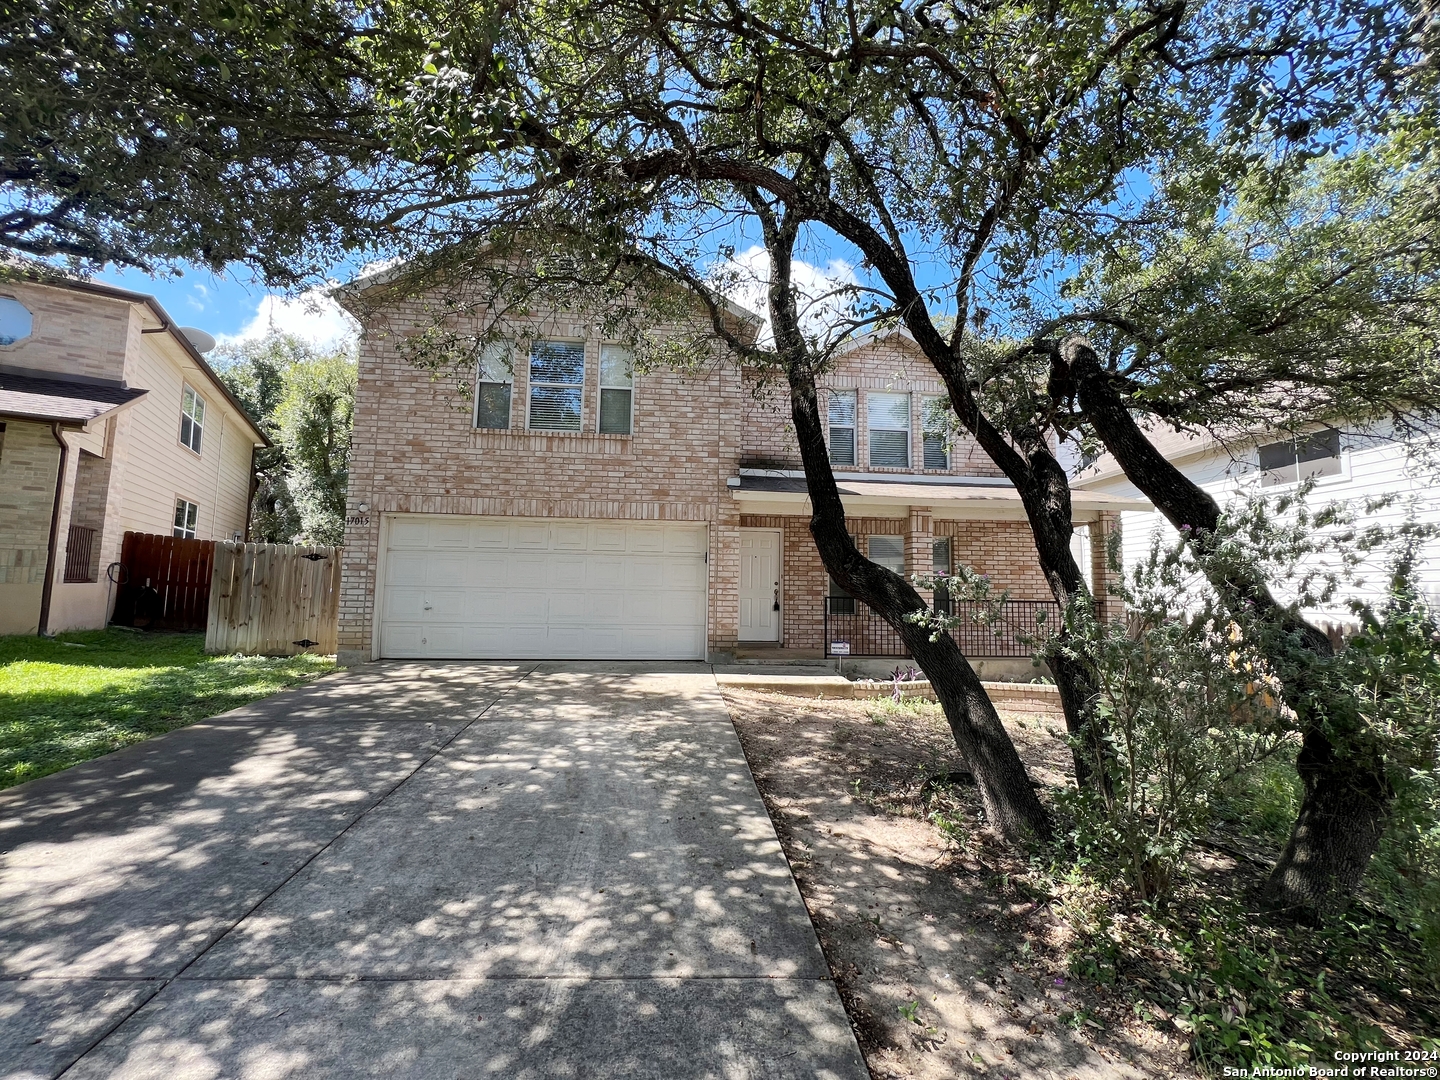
(163, 582)
(274, 599)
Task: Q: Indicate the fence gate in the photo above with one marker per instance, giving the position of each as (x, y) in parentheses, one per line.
(164, 582)
(274, 599)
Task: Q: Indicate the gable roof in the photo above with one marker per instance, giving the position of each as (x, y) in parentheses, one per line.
(167, 325)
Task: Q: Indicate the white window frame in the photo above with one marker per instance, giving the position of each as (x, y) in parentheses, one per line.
(532, 383)
(628, 387)
(496, 367)
(192, 410)
(1270, 478)
(927, 405)
(186, 523)
(853, 427)
(872, 428)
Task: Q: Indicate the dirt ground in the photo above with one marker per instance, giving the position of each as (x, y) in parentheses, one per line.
(947, 967)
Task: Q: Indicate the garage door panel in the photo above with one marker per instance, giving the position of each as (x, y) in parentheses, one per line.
(607, 538)
(529, 572)
(684, 575)
(485, 570)
(406, 568)
(564, 572)
(684, 541)
(574, 537)
(490, 534)
(409, 533)
(404, 603)
(605, 572)
(528, 588)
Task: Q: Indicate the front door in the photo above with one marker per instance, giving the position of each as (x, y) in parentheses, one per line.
(759, 584)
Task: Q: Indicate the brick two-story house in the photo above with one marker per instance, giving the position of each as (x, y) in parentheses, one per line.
(110, 421)
(576, 509)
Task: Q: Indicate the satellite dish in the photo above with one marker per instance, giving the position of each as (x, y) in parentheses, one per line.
(202, 341)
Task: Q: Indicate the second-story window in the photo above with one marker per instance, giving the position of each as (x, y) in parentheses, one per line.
(937, 437)
(192, 419)
(842, 427)
(492, 387)
(617, 390)
(557, 377)
(889, 417)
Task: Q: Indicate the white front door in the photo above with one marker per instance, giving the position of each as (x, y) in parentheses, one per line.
(759, 584)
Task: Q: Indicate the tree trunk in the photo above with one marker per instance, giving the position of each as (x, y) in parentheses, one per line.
(1347, 793)
(1011, 805)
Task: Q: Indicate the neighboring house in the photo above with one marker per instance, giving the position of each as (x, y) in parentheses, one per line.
(1347, 466)
(578, 509)
(110, 421)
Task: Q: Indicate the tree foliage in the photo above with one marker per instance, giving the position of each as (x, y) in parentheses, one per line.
(303, 399)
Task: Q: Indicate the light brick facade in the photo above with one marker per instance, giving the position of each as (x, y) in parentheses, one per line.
(416, 450)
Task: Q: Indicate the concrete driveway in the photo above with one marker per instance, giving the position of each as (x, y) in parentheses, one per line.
(417, 870)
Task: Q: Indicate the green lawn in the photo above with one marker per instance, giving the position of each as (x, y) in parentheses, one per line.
(80, 695)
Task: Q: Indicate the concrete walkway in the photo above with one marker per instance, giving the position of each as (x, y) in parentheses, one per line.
(417, 870)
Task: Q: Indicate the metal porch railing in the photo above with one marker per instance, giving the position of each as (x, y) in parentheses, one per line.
(848, 622)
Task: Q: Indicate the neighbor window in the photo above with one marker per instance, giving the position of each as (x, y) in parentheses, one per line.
(557, 375)
(16, 322)
(889, 418)
(842, 427)
(617, 389)
(1289, 462)
(940, 567)
(492, 387)
(889, 552)
(192, 419)
(837, 600)
(937, 436)
(187, 516)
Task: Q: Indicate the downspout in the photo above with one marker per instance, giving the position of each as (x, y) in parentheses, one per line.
(254, 486)
(49, 585)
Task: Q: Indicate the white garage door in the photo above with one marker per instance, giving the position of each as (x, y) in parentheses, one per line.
(525, 588)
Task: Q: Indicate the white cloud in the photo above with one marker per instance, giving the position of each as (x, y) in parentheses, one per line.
(312, 316)
(824, 294)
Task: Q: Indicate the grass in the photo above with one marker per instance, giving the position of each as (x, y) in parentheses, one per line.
(77, 696)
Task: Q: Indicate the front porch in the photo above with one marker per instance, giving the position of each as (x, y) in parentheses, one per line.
(789, 605)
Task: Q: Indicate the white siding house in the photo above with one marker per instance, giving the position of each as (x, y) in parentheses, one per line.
(1348, 467)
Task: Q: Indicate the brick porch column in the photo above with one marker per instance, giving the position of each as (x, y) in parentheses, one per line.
(919, 538)
(1101, 530)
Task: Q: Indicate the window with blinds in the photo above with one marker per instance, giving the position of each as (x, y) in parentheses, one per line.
(557, 376)
(937, 436)
(1289, 462)
(889, 419)
(617, 390)
(493, 381)
(842, 427)
(889, 552)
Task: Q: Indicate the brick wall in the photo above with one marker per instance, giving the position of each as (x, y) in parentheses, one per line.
(416, 450)
(890, 364)
(73, 333)
(29, 457)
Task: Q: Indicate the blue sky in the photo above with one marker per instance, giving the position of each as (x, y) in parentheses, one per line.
(233, 306)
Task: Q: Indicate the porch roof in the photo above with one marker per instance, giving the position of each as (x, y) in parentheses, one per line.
(963, 497)
(54, 399)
